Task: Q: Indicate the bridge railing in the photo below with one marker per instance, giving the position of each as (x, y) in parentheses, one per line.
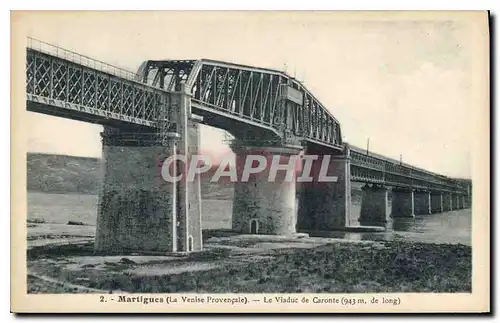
(59, 81)
(80, 59)
(377, 170)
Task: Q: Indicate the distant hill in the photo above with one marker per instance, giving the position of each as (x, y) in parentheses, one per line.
(70, 174)
(62, 174)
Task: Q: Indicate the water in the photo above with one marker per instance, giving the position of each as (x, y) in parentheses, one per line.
(448, 227)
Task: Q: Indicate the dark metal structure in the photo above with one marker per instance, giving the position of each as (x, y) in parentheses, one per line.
(268, 99)
(377, 169)
(233, 97)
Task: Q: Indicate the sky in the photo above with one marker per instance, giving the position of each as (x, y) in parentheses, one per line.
(404, 83)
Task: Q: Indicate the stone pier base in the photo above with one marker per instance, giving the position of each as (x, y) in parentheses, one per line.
(325, 206)
(260, 205)
(447, 202)
(467, 201)
(456, 201)
(138, 210)
(374, 206)
(422, 202)
(436, 202)
(403, 203)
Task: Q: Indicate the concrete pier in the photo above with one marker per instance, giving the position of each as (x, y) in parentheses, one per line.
(436, 202)
(374, 206)
(458, 202)
(467, 201)
(326, 206)
(139, 210)
(261, 206)
(462, 201)
(403, 202)
(422, 202)
(136, 210)
(448, 202)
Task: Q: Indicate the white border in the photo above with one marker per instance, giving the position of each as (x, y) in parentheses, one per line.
(182, 5)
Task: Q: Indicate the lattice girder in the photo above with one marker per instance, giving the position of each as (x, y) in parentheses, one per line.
(372, 168)
(249, 93)
(64, 84)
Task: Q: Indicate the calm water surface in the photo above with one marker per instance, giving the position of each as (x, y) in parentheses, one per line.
(447, 227)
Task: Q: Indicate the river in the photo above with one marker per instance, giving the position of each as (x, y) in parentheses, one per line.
(447, 227)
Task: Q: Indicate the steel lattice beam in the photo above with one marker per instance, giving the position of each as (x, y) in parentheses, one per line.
(249, 93)
(61, 87)
(254, 96)
(371, 168)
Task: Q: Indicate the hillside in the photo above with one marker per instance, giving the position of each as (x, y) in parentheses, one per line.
(62, 174)
(70, 174)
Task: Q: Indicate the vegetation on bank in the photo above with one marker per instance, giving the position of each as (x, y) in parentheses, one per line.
(332, 268)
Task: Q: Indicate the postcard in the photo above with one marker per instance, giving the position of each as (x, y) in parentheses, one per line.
(250, 161)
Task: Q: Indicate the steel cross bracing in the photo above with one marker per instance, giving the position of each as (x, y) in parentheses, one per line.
(254, 95)
(372, 168)
(67, 84)
(76, 87)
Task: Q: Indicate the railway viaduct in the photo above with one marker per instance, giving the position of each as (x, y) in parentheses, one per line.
(155, 113)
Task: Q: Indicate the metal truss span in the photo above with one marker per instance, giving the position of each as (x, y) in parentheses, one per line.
(66, 84)
(376, 169)
(63, 83)
(267, 97)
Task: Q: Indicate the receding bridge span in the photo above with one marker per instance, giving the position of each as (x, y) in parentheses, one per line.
(155, 113)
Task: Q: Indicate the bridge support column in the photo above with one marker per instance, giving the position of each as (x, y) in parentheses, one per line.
(448, 202)
(262, 205)
(136, 210)
(456, 202)
(326, 206)
(436, 202)
(468, 201)
(139, 210)
(403, 202)
(374, 206)
(462, 202)
(422, 202)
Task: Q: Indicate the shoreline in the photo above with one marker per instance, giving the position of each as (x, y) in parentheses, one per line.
(256, 264)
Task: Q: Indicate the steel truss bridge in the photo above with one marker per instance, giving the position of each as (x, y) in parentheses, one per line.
(66, 84)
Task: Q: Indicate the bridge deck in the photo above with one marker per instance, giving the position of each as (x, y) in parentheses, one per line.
(70, 85)
(377, 169)
(63, 83)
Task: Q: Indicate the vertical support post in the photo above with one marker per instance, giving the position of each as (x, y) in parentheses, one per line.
(135, 215)
(172, 151)
(403, 202)
(436, 202)
(449, 202)
(422, 202)
(374, 206)
(183, 197)
(270, 204)
(326, 206)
